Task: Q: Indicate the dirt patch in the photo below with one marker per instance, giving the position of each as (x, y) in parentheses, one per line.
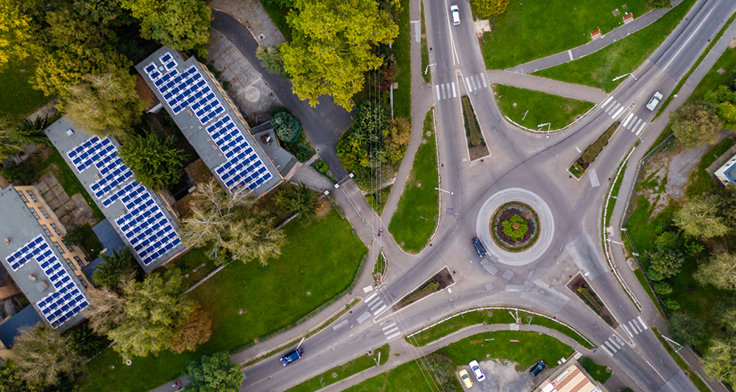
(322, 208)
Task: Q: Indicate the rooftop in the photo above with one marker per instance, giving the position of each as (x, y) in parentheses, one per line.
(209, 121)
(138, 215)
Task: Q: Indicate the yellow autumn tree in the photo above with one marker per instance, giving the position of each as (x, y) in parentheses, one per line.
(15, 32)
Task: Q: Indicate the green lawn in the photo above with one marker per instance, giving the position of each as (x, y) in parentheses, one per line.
(598, 69)
(533, 29)
(426, 72)
(409, 377)
(598, 372)
(531, 108)
(343, 371)
(17, 98)
(416, 215)
(188, 262)
(249, 302)
(713, 79)
(700, 181)
(401, 50)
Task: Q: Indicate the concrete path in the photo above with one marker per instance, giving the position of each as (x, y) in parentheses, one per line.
(545, 85)
(593, 46)
(252, 15)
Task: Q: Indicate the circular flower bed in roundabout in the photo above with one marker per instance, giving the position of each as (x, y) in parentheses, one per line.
(514, 226)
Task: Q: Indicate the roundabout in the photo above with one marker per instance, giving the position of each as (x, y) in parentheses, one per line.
(515, 226)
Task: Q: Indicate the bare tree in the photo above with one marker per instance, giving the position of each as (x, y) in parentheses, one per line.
(106, 310)
(43, 355)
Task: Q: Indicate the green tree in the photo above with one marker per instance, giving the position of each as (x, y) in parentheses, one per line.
(299, 200)
(727, 113)
(719, 360)
(117, 268)
(214, 373)
(488, 8)
(287, 127)
(662, 288)
(30, 132)
(9, 144)
(86, 342)
(154, 313)
(686, 329)
(156, 163)
(270, 58)
(667, 259)
(396, 138)
(671, 304)
(11, 379)
(181, 24)
(332, 46)
(700, 217)
(694, 124)
(44, 356)
(103, 104)
(231, 224)
(720, 271)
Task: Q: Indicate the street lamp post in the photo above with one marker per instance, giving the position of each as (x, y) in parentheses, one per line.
(548, 125)
(442, 190)
(427, 67)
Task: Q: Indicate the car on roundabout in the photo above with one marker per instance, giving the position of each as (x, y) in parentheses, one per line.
(479, 247)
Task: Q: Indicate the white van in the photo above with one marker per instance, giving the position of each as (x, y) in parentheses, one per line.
(455, 14)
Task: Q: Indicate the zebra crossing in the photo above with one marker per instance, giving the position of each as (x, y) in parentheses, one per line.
(375, 304)
(613, 344)
(446, 91)
(475, 82)
(391, 330)
(635, 326)
(612, 107)
(634, 124)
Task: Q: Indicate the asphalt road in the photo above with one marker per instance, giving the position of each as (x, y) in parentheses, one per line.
(534, 163)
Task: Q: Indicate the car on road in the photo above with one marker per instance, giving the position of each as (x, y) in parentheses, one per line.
(654, 101)
(537, 368)
(477, 371)
(292, 356)
(455, 14)
(479, 247)
(466, 378)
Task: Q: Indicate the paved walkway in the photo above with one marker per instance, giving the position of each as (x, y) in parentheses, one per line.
(593, 46)
(545, 85)
(252, 15)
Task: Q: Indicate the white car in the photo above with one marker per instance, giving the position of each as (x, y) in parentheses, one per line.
(654, 101)
(477, 370)
(455, 14)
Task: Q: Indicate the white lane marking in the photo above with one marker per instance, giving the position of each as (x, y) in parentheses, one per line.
(453, 90)
(363, 317)
(467, 84)
(438, 92)
(687, 40)
(618, 112)
(641, 127)
(483, 77)
(627, 330)
(340, 325)
(594, 183)
(578, 149)
(642, 322)
(628, 118)
(455, 58)
(605, 103)
(607, 350)
(372, 296)
(569, 53)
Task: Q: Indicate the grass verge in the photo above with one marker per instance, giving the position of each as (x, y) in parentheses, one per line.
(343, 371)
(401, 49)
(379, 199)
(425, 52)
(702, 387)
(621, 57)
(416, 215)
(532, 108)
(599, 372)
(250, 302)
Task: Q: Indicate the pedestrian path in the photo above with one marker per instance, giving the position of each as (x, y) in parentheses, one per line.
(475, 82)
(634, 124)
(446, 91)
(635, 326)
(390, 330)
(613, 344)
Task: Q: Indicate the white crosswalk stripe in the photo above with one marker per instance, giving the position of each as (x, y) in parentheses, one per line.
(642, 323)
(613, 108)
(391, 330)
(475, 82)
(613, 344)
(641, 128)
(618, 112)
(467, 84)
(606, 102)
(636, 326)
(446, 91)
(483, 78)
(628, 119)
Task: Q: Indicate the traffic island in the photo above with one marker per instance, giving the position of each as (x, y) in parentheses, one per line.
(439, 281)
(582, 289)
(514, 226)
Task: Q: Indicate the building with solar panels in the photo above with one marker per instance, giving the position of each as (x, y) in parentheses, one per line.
(210, 122)
(36, 264)
(139, 215)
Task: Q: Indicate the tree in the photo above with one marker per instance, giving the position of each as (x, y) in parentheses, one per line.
(86, 342)
(15, 32)
(103, 104)
(182, 24)
(106, 309)
(299, 200)
(719, 360)
(214, 373)
(397, 137)
(700, 217)
(156, 163)
(287, 127)
(29, 132)
(694, 124)
(333, 45)
(196, 330)
(11, 379)
(488, 8)
(686, 329)
(9, 145)
(662, 288)
(117, 268)
(667, 259)
(659, 3)
(154, 313)
(231, 224)
(44, 356)
(720, 271)
(270, 58)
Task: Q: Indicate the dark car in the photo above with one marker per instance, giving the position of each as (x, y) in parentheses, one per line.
(537, 368)
(479, 247)
(292, 356)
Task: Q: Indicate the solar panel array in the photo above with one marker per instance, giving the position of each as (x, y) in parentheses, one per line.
(144, 225)
(67, 300)
(243, 167)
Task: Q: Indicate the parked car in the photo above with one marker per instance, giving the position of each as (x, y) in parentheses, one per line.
(479, 247)
(654, 101)
(455, 14)
(292, 356)
(466, 378)
(477, 371)
(537, 368)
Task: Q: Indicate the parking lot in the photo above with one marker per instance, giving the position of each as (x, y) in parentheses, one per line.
(502, 377)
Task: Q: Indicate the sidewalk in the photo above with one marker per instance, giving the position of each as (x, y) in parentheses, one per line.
(545, 85)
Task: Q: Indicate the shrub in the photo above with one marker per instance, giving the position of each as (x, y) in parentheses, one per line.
(21, 173)
(488, 8)
(516, 227)
(287, 127)
(671, 304)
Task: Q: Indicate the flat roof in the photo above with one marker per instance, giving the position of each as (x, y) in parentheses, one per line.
(36, 265)
(209, 121)
(11, 328)
(137, 214)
